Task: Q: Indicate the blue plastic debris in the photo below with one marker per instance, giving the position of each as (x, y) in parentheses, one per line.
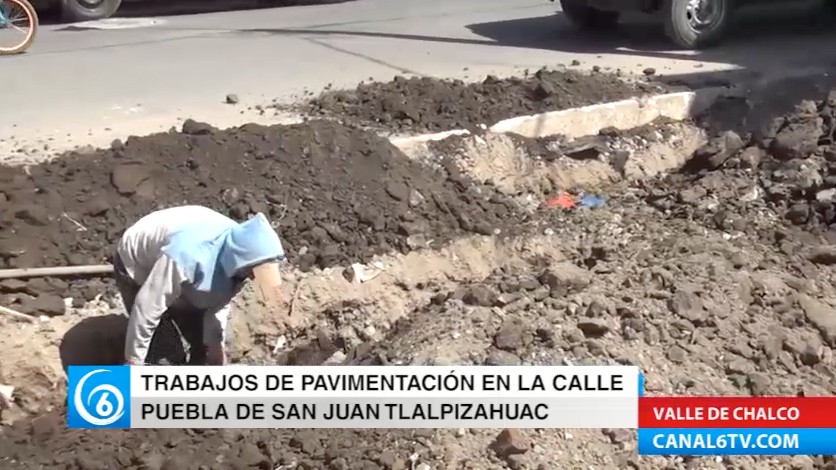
(592, 201)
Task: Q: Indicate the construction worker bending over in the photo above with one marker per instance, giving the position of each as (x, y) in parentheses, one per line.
(178, 269)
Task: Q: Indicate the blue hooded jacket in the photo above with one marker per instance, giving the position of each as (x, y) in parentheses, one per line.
(211, 254)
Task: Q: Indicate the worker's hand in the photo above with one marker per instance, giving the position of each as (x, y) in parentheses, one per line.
(216, 356)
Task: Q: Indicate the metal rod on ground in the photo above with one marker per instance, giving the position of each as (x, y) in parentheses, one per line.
(16, 314)
(59, 271)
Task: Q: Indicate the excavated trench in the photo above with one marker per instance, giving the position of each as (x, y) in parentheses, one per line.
(714, 278)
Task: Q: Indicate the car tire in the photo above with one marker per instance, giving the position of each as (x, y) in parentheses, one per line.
(585, 17)
(88, 10)
(693, 29)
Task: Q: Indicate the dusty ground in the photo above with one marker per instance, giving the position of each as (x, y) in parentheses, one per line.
(717, 279)
(427, 104)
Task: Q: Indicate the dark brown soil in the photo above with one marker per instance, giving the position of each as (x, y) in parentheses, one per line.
(176, 449)
(337, 195)
(432, 105)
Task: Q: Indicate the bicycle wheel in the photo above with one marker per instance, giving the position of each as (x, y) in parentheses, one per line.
(18, 25)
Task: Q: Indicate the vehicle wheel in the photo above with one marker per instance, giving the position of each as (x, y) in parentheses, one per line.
(585, 17)
(87, 10)
(18, 16)
(696, 24)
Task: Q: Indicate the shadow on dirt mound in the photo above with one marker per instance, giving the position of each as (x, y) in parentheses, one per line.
(94, 341)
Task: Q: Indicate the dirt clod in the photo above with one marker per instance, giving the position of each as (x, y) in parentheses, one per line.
(820, 255)
(617, 436)
(512, 335)
(9, 286)
(480, 295)
(43, 304)
(565, 278)
(822, 316)
(510, 442)
(192, 127)
(593, 327)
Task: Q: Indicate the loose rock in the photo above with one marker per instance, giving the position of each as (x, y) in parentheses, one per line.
(593, 327)
(822, 316)
(510, 442)
(566, 278)
(511, 336)
(481, 295)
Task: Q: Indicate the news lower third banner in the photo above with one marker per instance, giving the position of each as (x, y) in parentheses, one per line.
(737, 426)
(353, 397)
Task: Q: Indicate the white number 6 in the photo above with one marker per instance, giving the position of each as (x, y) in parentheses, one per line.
(104, 407)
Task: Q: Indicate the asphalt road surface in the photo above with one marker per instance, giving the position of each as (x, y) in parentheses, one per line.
(87, 84)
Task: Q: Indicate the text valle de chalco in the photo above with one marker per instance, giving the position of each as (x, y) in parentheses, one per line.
(346, 410)
(726, 413)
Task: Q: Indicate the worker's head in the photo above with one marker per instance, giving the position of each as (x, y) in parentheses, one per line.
(253, 250)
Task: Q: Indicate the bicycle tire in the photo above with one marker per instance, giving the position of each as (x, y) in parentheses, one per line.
(33, 29)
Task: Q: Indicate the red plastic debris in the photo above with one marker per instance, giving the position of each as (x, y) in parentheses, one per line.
(562, 200)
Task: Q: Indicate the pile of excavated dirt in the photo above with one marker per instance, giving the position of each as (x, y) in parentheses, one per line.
(336, 195)
(703, 308)
(430, 105)
(737, 181)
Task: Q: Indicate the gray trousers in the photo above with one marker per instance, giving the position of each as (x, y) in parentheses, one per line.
(178, 339)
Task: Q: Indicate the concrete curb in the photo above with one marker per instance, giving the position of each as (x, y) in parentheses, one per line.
(587, 120)
(496, 156)
(626, 114)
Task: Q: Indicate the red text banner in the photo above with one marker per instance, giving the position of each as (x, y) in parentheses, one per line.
(737, 412)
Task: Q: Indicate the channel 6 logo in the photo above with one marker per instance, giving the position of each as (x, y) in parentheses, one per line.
(98, 397)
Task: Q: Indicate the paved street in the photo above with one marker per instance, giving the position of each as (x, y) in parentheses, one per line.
(86, 85)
